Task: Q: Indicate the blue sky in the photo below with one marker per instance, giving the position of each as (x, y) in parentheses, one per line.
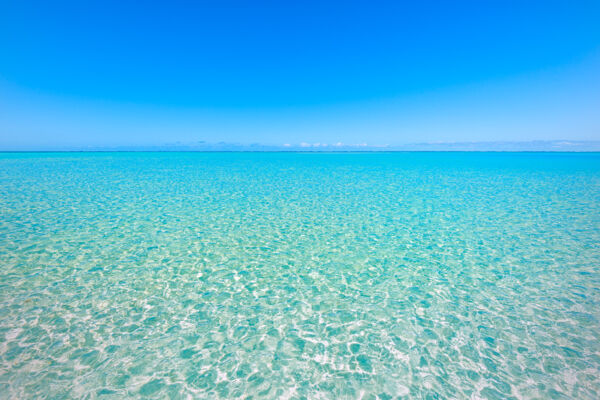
(125, 73)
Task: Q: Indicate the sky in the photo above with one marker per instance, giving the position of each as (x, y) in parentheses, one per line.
(120, 73)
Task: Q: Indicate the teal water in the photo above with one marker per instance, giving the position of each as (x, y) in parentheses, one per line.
(274, 275)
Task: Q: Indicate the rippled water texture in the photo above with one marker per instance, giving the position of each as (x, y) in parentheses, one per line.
(226, 275)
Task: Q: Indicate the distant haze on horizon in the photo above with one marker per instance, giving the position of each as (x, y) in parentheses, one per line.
(116, 74)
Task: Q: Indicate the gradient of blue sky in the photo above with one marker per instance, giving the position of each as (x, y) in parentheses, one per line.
(122, 73)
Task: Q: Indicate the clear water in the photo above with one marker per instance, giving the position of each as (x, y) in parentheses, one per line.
(226, 275)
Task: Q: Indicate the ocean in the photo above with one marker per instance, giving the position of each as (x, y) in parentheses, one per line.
(300, 275)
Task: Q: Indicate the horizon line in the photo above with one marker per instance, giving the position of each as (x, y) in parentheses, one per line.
(559, 145)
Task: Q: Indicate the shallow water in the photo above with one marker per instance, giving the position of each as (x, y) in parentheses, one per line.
(286, 275)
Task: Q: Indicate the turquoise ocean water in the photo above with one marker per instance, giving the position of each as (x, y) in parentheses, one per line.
(300, 275)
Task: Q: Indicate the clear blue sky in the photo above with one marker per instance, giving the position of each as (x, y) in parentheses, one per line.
(120, 73)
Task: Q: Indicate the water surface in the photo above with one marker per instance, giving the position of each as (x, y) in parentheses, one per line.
(299, 275)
